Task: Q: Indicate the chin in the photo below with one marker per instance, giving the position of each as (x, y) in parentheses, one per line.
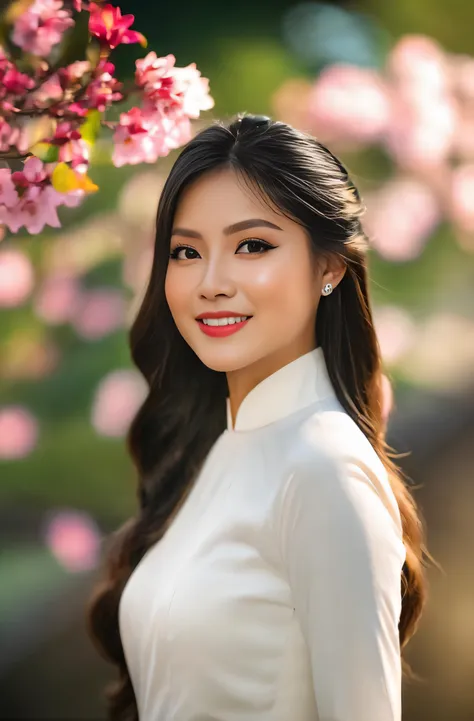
(224, 360)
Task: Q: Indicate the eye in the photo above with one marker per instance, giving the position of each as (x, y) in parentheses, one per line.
(255, 246)
(190, 253)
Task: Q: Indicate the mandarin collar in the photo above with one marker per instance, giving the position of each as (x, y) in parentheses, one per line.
(291, 388)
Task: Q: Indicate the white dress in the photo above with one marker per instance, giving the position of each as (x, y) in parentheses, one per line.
(275, 595)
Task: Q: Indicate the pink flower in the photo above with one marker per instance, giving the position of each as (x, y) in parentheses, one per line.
(49, 93)
(193, 90)
(16, 278)
(36, 208)
(111, 28)
(143, 135)
(154, 74)
(176, 130)
(8, 193)
(117, 399)
(104, 89)
(74, 72)
(135, 139)
(11, 137)
(349, 103)
(18, 432)
(74, 539)
(72, 148)
(167, 86)
(15, 82)
(41, 27)
(33, 173)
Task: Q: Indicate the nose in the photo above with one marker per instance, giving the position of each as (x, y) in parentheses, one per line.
(216, 281)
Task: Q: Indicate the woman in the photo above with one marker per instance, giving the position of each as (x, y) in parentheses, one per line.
(274, 569)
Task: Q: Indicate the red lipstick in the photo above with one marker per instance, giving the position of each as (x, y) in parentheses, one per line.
(221, 331)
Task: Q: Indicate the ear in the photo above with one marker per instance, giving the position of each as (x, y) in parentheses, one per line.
(334, 271)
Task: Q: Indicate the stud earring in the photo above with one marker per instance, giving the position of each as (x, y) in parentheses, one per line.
(327, 290)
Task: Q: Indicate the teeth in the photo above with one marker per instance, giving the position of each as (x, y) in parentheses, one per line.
(224, 321)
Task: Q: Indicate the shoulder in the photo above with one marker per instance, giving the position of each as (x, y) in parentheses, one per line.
(330, 461)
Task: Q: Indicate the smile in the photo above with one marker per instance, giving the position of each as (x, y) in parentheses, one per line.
(221, 327)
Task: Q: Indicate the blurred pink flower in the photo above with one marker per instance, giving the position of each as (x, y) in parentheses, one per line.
(424, 113)
(15, 82)
(100, 312)
(74, 539)
(8, 193)
(36, 208)
(33, 173)
(400, 218)
(193, 90)
(419, 61)
(135, 139)
(166, 86)
(39, 28)
(417, 136)
(117, 399)
(12, 137)
(155, 75)
(58, 299)
(462, 196)
(348, 102)
(16, 277)
(49, 92)
(18, 432)
(104, 89)
(396, 332)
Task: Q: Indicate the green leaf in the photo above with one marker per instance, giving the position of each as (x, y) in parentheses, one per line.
(46, 152)
(90, 129)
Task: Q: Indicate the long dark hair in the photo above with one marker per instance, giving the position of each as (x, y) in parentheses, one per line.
(184, 412)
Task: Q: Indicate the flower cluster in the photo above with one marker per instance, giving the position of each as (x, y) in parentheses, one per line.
(51, 111)
(419, 109)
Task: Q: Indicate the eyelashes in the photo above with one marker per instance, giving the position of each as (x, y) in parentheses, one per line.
(262, 246)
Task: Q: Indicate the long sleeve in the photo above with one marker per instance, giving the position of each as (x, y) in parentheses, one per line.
(343, 557)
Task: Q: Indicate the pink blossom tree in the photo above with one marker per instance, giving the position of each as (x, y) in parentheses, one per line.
(57, 84)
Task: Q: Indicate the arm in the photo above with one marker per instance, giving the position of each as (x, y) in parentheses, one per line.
(343, 557)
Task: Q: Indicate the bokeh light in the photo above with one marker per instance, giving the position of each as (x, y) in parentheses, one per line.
(116, 401)
(101, 311)
(396, 332)
(16, 277)
(319, 34)
(74, 539)
(18, 432)
(58, 298)
(401, 217)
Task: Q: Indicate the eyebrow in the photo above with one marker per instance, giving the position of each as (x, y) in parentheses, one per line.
(234, 228)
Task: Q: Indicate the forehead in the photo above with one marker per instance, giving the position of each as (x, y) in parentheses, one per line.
(220, 198)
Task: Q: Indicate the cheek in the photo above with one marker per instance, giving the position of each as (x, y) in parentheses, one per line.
(287, 288)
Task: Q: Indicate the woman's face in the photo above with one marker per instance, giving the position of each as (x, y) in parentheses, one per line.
(232, 255)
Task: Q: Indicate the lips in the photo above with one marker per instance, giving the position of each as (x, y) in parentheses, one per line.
(221, 331)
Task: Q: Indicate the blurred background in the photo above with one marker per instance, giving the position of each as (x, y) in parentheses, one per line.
(390, 87)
